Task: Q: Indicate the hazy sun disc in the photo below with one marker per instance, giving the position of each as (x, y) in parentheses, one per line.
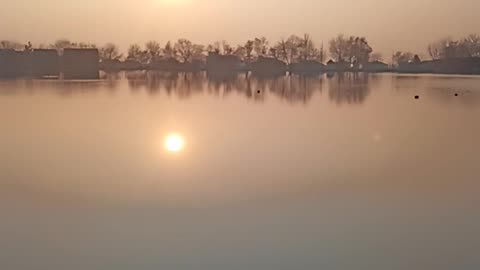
(174, 143)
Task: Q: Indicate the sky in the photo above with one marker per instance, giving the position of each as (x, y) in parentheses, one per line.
(389, 25)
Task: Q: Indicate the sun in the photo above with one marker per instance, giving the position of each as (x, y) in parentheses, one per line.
(174, 143)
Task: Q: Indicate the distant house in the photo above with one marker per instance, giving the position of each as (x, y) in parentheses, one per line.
(132, 65)
(375, 66)
(44, 63)
(307, 67)
(333, 66)
(217, 63)
(80, 64)
(267, 66)
(169, 64)
(111, 65)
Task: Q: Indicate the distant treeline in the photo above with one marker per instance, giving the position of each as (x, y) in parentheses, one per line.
(347, 52)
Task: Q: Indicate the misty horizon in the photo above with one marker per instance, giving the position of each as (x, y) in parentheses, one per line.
(391, 26)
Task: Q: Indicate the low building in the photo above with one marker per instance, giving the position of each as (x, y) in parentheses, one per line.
(461, 65)
(132, 65)
(307, 67)
(169, 64)
(268, 66)
(44, 63)
(375, 66)
(80, 64)
(333, 66)
(111, 65)
(217, 63)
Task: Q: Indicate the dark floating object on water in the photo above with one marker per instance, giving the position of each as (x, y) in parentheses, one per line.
(258, 91)
(417, 97)
(456, 94)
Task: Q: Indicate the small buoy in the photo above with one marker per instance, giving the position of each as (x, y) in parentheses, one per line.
(258, 91)
(456, 94)
(417, 97)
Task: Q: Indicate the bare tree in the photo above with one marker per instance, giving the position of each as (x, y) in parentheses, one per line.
(135, 53)
(187, 51)
(240, 52)
(354, 50)
(338, 48)
(214, 47)
(472, 45)
(307, 49)
(437, 49)
(8, 44)
(273, 52)
(169, 51)
(153, 51)
(62, 44)
(399, 58)
(288, 50)
(86, 45)
(376, 57)
(226, 48)
(110, 52)
(249, 50)
(260, 46)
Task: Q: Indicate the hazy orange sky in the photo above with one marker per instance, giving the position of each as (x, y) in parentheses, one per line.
(388, 24)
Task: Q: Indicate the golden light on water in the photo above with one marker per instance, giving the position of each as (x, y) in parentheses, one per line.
(174, 143)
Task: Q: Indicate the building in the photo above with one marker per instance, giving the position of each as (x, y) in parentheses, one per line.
(44, 63)
(12, 63)
(460, 65)
(80, 64)
(307, 67)
(333, 66)
(375, 66)
(217, 63)
(268, 66)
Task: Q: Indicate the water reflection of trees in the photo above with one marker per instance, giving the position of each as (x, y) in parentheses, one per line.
(342, 88)
(292, 88)
(349, 88)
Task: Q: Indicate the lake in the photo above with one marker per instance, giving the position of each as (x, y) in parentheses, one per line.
(189, 171)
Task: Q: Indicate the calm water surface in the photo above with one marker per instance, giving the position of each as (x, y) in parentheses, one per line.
(348, 172)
